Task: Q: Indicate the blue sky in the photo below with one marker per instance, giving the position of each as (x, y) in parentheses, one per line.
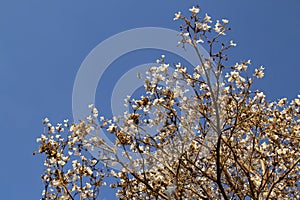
(43, 43)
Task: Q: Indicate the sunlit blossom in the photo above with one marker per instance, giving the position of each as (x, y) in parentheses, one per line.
(177, 16)
(194, 10)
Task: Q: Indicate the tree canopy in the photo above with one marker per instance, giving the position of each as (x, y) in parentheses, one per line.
(200, 133)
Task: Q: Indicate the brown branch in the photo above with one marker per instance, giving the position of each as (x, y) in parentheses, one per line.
(281, 178)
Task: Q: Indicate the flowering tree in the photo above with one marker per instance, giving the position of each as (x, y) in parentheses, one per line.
(214, 137)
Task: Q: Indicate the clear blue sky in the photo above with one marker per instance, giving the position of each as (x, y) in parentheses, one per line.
(43, 43)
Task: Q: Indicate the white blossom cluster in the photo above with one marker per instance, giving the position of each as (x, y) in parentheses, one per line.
(69, 170)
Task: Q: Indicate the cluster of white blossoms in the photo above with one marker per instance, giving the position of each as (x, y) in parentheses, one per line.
(70, 171)
(192, 135)
(259, 73)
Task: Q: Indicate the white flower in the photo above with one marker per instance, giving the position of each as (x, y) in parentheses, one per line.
(218, 27)
(55, 182)
(163, 68)
(194, 10)
(207, 18)
(282, 151)
(203, 26)
(233, 76)
(94, 161)
(260, 95)
(199, 69)
(89, 171)
(111, 128)
(196, 75)
(88, 185)
(43, 137)
(52, 129)
(46, 120)
(95, 112)
(225, 21)
(178, 65)
(282, 102)
(182, 70)
(158, 77)
(61, 162)
(232, 43)
(89, 118)
(264, 145)
(177, 16)
(296, 102)
(66, 121)
(72, 128)
(186, 34)
(259, 73)
(240, 67)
